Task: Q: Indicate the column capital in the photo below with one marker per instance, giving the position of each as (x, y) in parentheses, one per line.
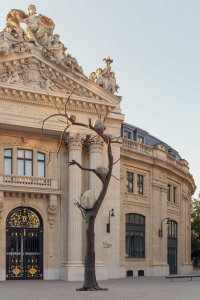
(96, 145)
(74, 141)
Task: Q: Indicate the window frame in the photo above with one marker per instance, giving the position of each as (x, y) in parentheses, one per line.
(40, 160)
(133, 227)
(25, 159)
(128, 133)
(170, 229)
(174, 194)
(140, 137)
(127, 181)
(169, 193)
(8, 157)
(139, 192)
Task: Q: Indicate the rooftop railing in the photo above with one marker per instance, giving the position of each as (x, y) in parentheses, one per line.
(157, 151)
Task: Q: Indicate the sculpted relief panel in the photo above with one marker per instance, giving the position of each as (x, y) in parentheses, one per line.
(32, 74)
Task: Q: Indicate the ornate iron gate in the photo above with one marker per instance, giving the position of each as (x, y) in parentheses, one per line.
(24, 245)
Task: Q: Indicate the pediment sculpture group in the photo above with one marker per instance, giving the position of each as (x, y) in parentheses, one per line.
(39, 33)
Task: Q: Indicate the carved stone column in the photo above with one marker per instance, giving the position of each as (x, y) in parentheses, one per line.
(75, 217)
(95, 149)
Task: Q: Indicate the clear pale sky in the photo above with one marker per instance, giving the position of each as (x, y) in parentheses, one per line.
(155, 46)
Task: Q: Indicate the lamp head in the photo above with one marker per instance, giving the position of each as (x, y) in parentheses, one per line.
(112, 214)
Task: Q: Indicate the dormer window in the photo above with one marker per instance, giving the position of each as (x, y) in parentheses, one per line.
(127, 134)
(140, 139)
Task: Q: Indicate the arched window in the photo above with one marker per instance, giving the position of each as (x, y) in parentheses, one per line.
(135, 236)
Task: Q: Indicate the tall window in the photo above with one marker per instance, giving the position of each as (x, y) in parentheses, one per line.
(169, 192)
(174, 194)
(140, 184)
(8, 161)
(135, 236)
(41, 164)
(172, 229)
(129, 182)
(25, 162)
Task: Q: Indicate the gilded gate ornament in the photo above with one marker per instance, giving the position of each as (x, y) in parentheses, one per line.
(23, 217)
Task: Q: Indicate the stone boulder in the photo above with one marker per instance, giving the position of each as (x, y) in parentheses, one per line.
(103, 171)
(88, 199)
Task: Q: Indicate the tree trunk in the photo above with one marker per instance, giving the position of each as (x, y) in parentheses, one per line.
(90, 283)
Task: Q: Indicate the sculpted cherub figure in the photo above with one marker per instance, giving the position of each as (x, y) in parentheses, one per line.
(113, 87)
(57, 48)
(7, 40)
(93, 76)
(99, 81)
(49, 84)
(14, 75)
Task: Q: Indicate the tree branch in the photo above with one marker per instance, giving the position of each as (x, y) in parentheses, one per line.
(115, 177)
(116, 161)
(74, 162)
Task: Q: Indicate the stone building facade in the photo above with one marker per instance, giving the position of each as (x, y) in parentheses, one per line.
(41, 230)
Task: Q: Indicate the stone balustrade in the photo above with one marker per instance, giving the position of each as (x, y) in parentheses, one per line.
(29, 181)
(158, 151)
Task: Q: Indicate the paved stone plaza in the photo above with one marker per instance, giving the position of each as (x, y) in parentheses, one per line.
(142, 288)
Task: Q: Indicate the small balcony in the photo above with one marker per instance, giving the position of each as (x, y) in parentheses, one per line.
(32, 184)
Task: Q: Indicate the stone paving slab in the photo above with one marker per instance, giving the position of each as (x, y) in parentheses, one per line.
(141, 288)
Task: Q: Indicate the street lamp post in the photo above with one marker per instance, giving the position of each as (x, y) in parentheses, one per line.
(161, 230)
(111, 214)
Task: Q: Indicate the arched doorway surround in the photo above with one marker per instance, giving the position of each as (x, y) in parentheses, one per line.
(24, 244)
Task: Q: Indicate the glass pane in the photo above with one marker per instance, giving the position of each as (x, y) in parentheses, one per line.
(7, 166)
(20, 167)
(28, 168)
(132, 218)
(28, 154)
(40, 156)
(137, 244)
(141, 220)
(8, 153)
(137, 220)
(127, 244)
(40, 169)
(20, 153)
(142, 254)
(132, 240)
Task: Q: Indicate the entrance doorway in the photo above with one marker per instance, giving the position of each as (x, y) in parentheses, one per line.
(172, 247)
(24, 244)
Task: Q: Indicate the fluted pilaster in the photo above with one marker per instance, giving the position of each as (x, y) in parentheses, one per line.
(75, 190)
